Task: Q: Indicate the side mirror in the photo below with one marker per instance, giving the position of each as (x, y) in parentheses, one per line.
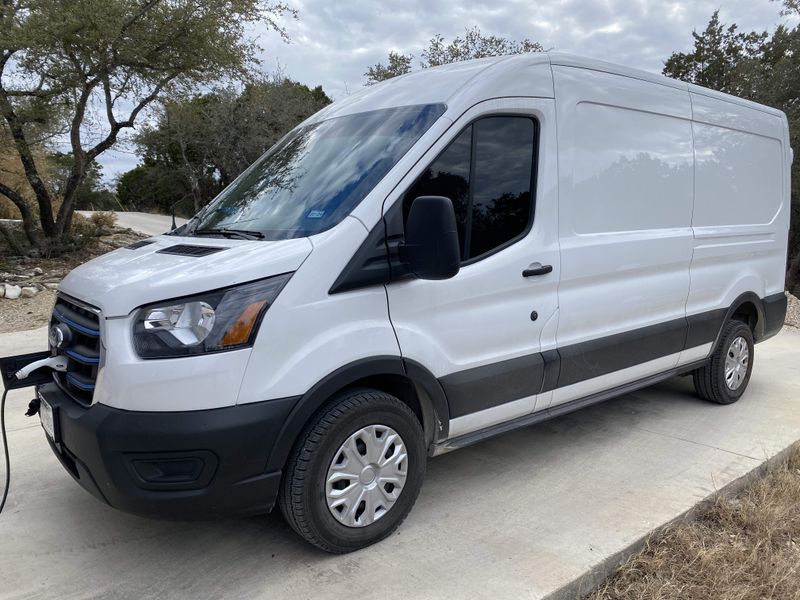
(431, 247)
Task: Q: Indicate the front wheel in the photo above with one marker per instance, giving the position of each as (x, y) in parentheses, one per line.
(725, 377)
(355, 472)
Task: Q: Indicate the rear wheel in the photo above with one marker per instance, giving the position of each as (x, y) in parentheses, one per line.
(355, 472)
(724, 379)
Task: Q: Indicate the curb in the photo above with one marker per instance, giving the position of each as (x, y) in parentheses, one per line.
(590, 580)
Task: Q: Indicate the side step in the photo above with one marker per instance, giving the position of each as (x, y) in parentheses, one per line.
(562, 409)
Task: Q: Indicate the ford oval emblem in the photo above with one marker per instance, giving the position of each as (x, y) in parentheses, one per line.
(59, 336)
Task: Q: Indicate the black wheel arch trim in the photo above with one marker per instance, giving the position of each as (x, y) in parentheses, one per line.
(741, 300)
(313, 400)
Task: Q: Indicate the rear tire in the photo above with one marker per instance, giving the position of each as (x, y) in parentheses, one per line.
(355, 472)
(725, 377)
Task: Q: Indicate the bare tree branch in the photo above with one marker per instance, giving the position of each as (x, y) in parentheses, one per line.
(117, 126)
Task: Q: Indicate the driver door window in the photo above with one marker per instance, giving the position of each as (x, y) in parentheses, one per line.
(488, 173)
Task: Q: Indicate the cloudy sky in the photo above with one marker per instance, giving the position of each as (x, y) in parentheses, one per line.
(334, 41)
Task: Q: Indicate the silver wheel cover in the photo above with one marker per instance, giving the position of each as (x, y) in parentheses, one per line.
(737, 360)
(366, 476)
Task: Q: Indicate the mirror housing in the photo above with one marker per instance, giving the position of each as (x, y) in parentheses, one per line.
(431, 247)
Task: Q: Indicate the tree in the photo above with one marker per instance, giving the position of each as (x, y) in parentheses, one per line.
(398, 64)
(718, 53)
(152, 188)
(91, 194)
(439, 52)
(187, 142)
(95, 65)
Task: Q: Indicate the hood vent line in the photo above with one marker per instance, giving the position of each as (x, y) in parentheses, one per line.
(189, 250)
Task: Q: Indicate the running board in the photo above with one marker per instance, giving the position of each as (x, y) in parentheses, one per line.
(562, 409)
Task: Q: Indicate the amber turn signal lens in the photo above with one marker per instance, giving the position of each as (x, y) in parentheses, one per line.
(239, 332)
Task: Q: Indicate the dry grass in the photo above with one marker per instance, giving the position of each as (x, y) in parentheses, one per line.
(740, 548)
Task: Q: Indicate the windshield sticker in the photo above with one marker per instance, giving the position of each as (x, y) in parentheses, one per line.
(315, 214)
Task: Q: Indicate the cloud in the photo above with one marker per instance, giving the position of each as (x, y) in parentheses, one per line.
(333, 43)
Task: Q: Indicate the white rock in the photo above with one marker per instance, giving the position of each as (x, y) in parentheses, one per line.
(51, 286)
(13, 291)
(29, 291)
(37, 271)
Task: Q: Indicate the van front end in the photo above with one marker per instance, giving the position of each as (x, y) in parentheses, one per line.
(146, 415)
(187, 365)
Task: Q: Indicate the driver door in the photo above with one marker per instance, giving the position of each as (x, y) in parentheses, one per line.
(482, 332)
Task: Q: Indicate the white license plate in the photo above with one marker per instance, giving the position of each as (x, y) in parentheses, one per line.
(46, 417)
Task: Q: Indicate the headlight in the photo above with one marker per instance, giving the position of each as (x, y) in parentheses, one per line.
(224, 319)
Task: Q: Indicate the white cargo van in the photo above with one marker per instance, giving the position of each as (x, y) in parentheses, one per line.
(426, 263)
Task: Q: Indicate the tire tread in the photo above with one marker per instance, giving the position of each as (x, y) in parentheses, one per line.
(707, 382)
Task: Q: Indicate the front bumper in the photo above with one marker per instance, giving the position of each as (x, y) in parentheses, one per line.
(184, 465)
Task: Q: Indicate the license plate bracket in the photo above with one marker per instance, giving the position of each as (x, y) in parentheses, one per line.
(48, 417)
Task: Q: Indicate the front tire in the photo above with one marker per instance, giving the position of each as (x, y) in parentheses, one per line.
(724, 379)
(355, 472)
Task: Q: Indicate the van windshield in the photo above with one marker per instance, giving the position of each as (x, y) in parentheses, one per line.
(315, 176)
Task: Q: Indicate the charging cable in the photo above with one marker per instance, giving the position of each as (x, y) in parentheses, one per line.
(14, 369)
(5, 448)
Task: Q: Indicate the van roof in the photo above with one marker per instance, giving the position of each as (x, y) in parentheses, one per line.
(450, 83)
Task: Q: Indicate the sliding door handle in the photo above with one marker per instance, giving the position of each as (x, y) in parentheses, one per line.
(537, 269)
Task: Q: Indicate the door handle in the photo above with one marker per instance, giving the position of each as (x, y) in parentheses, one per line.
(537, 269)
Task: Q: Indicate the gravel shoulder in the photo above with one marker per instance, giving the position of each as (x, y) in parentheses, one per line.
(26, 313)
(793, 311)
(23, 313)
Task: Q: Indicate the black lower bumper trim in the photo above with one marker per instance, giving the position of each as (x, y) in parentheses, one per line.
(124, 458)
(774, 314)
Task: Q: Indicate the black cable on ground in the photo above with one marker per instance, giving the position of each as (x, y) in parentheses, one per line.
(5, 448)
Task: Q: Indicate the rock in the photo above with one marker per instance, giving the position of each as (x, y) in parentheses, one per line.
(29, 291)
(2, 290)
(37, 271)
(51, 286)
(12, 291)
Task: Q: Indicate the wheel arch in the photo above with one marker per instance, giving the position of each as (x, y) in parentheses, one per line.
(406, 380)
(748, 308)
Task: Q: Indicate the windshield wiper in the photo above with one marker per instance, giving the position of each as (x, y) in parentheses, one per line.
(243, 234)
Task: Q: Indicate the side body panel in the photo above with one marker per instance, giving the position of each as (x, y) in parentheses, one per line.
(741, 213)
(625, 207)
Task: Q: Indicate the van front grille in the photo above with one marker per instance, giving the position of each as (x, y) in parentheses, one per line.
(81, 348)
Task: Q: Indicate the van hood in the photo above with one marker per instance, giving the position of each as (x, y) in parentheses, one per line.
(169, 267)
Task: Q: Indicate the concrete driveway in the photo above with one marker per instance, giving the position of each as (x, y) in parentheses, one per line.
(518, 516)
(146, 223)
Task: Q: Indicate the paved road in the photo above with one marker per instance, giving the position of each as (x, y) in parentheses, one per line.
(514, 517)
(145, 222)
